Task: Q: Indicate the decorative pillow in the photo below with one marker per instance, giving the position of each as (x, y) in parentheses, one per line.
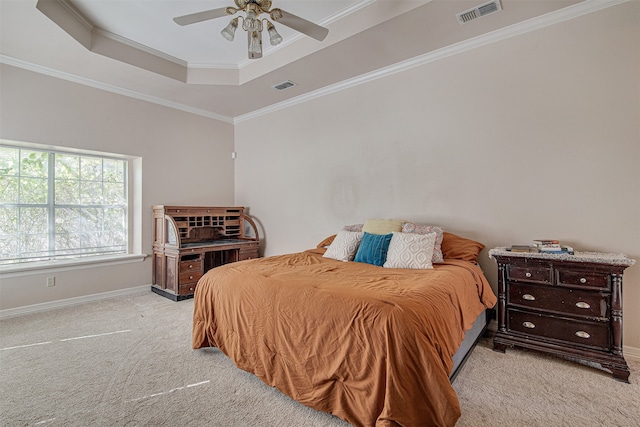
(382, 226)
(326, 242)
(410, 250)
(373, 248)
(354, 227)
(344, 246)
(409, 227)
(456, 247)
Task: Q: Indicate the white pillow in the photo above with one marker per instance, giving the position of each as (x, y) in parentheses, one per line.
(409, 227)
(344, 246)
(409, 250)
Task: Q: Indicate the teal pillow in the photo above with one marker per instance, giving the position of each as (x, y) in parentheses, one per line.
(373, 248)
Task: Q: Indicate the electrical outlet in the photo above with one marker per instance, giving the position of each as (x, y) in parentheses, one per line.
(51, 281)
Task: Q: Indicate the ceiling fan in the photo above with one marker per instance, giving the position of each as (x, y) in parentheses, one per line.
(252, 23)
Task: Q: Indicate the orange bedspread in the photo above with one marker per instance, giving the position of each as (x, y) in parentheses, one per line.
(370, 345)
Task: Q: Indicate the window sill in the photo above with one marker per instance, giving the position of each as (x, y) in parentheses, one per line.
(32, 268)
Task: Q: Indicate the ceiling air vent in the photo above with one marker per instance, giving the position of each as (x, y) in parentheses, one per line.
(479, 11)
(284, 85)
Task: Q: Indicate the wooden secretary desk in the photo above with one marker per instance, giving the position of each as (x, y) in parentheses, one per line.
(188, 241)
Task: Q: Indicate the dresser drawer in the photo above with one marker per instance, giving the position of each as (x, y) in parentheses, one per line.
(187, 289)
(190, 277)
(530, 273)
(248, 254)
(173, 211)
(581, 278)
(190, 266)
(575, 302)
(591, 334)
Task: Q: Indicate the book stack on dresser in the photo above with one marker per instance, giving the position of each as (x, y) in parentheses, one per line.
(550, 246)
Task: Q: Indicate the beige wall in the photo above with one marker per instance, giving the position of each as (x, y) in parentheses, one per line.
(186, 159)
(536, 136)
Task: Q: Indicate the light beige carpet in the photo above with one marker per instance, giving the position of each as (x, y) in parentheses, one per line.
(129, 362)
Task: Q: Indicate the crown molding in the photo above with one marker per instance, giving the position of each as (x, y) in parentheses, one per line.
(568, 13)
(66, 4)
(4, 59)
(552, 18)
(138, 46)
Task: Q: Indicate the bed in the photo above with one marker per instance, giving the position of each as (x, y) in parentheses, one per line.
(369, 344)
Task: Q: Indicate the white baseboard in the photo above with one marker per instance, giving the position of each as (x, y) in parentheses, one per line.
(631, 353)
(18, 311)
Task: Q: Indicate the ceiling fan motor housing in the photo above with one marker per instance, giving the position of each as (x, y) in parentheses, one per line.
(265, 5)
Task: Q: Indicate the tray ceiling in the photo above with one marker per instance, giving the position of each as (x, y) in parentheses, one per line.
(133, 46)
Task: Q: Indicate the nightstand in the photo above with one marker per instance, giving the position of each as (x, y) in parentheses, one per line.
(566, 305)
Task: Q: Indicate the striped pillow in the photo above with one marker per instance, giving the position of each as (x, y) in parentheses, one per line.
(373, 249)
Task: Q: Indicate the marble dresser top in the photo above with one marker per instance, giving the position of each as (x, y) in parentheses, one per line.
(597, 257)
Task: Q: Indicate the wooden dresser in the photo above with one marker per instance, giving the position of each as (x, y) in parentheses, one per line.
(566, 305)
(188, 241)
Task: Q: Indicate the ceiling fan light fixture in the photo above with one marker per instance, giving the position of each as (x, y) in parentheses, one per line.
(274, 37)
(229, 31)
(251, 22)
(255, 44)
(253, 25)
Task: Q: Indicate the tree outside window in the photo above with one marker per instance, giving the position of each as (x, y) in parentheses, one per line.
(60, 205)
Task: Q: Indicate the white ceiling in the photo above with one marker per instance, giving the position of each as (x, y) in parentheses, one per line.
(149, 22)
(134, 47)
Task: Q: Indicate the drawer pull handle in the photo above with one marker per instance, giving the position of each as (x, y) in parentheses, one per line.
(583, 334)
(528, 297)
(582, 304)
(190, 265)
(529, 325)
(583, 280)
(527, 274)
(190, 277)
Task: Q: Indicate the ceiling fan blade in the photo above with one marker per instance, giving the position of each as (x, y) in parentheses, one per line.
(201, 16)
(300, 24)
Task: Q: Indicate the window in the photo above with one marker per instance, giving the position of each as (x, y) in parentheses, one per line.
(59, 205)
